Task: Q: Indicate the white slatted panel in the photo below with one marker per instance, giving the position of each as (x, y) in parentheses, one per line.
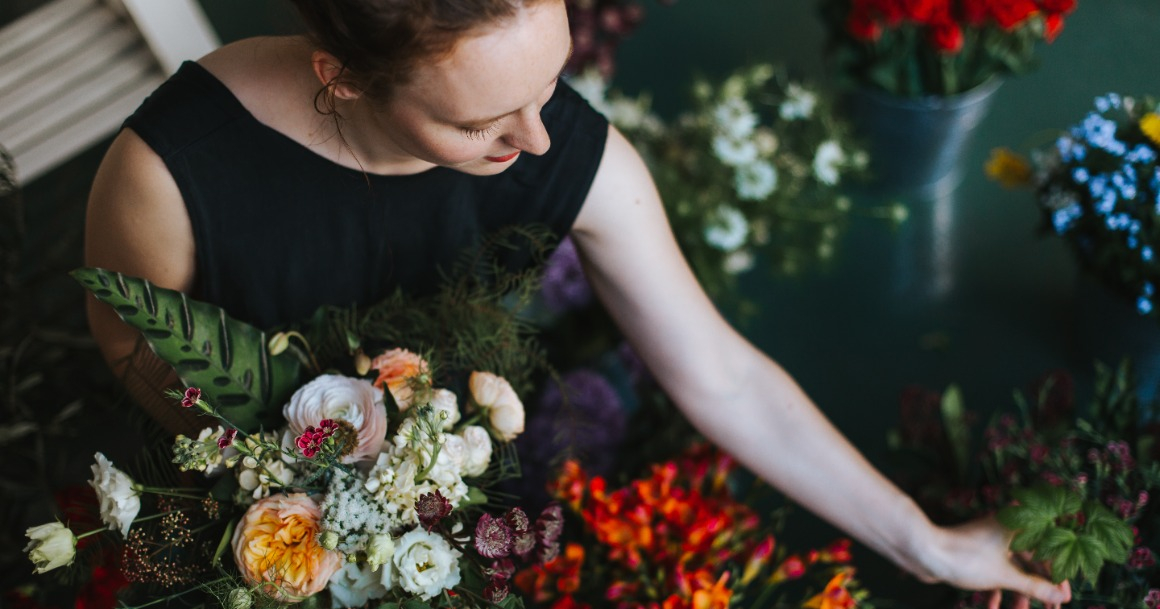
(71, 71)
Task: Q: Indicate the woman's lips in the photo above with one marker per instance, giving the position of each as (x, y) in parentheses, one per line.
(503, 159)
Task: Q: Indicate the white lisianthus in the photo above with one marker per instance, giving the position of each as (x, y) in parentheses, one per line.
(755, 181)
(380, 549)
(799, 102)
(505, 411)
(735, 118)
(827, 162)
(734, 152)
(426, 564)
(738, 262)
(730, 231)
(333, 396)
(353, 585)
(50, 546)
(478, 445)
(446, 407)
(119, 501)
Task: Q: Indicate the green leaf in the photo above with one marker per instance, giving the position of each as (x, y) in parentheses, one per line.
(1113, 535)
(1055, 544)
(414, 603)
(1091, 557)
(1027, 539)
(225, 358)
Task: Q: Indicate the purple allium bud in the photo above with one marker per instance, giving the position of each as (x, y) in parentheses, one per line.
(431, 508)
(565, 287)
(493, 537)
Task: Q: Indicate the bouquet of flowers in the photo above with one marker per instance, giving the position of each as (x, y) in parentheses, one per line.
(1077, 492)
(676, 538)
(752, 170)
(1098, 186)
(377, 484)
(598, 27)
(937, 47)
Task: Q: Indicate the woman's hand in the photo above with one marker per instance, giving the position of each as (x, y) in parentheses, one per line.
(975, 556)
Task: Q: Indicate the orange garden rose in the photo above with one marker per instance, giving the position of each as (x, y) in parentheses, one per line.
(276, 543)
(396, 368)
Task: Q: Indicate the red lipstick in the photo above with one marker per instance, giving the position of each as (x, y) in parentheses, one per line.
(503, 159)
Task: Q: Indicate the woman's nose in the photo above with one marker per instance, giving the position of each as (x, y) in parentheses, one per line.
(529, 133)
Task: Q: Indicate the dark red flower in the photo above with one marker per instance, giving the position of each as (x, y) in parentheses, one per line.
(227, 439)
(192, 397)
(496, 590)
(431, 508)
(550, 524)
(947, 37)
(1052, 26)
(1057, 6)
(493, 537)
(863, 27)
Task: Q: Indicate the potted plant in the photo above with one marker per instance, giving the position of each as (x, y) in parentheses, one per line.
(924, 71)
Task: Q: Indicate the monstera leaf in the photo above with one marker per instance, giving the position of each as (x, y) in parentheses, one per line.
(226, 358)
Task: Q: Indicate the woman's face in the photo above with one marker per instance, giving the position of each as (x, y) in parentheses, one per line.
(479, 108)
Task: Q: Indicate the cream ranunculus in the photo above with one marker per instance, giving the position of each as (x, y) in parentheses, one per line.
(352, 400)
(50, 546)
(119, 501)
(446, 407)
(276, 547)
(426, 564)
(505, 411)
(478, 445)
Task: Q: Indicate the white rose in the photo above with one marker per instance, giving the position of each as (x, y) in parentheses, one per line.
(50, 546)
(446, 407)
(353, 585)
(380, 549)
(426, 564)
(478, 445)
(332, 396)
(119, 501)
(504, 409)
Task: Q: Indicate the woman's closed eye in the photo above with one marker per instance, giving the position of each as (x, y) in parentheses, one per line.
(481, 132)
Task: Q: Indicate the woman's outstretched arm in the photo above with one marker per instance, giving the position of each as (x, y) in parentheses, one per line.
(747, 404)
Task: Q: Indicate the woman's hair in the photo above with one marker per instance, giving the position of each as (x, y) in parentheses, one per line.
(379, 42)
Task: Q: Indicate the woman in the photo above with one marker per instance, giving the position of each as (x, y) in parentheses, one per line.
(430, 113)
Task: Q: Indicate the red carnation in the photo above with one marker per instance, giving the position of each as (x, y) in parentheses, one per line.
(1053, 25)
(947, 37)
(863, 27)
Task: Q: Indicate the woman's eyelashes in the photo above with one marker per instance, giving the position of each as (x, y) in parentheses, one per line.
(481, 133)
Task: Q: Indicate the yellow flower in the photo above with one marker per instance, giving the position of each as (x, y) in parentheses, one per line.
(835, 596)
(276, 544)
(1008, 168)
(1150, 125)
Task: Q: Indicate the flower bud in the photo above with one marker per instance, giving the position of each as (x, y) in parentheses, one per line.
(278, 343)
(362, 363)
(328, 539)
(239, 598)
(380, 549)
(50, 546)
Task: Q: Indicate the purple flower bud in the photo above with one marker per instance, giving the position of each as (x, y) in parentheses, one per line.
(493, 537)
(431, 508)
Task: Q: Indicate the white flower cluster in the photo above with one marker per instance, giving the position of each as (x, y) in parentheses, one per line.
(739, 140)
(351, 513)
(258, 467)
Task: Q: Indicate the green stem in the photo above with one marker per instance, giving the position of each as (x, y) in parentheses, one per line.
(92, 532)
(156, 516)
(166, 492)
(173, 596)
(224, 543)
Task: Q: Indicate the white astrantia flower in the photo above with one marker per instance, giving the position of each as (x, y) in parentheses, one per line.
(478, 444)
(734, 118)
(426, 564)
(50, 546)
(755, 181)
(354, 584)
(119, 501)
(799, 103)
(738, 262)
(446, 406)
(730, 230)
(828, 161)
(734, 152)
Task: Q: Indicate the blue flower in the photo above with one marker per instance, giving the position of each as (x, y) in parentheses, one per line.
(1143, 305)
(1118, 222)
(1107, 203)
(1146, 256)
(1149, 289)
(1125, 180)
(1141, 154)
(1101, 132)
(1133, 242)
(1080, 175)
(1109, 101)
(1069, 149)
(1098, 186)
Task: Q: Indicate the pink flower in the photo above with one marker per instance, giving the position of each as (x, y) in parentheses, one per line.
(343, 398)
(493, 537)
(431, 508)
(192, 397)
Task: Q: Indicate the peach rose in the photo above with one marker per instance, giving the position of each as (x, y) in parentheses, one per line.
(276, 544)
(395, 367)
(505, 411)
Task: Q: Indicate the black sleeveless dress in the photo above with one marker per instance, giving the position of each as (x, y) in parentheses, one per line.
(280, 230)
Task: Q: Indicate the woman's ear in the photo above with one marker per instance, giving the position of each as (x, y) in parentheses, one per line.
(330, 71)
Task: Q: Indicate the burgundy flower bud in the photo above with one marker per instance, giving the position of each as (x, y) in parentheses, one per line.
(550, 524)
(496, 590)
(227, 439)
(503, 567)
(549, 552)
(493, 537)
(431, 508)
(192, 397)
(517, 520)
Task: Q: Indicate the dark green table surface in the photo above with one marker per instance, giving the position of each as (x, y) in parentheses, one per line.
(966, 291)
